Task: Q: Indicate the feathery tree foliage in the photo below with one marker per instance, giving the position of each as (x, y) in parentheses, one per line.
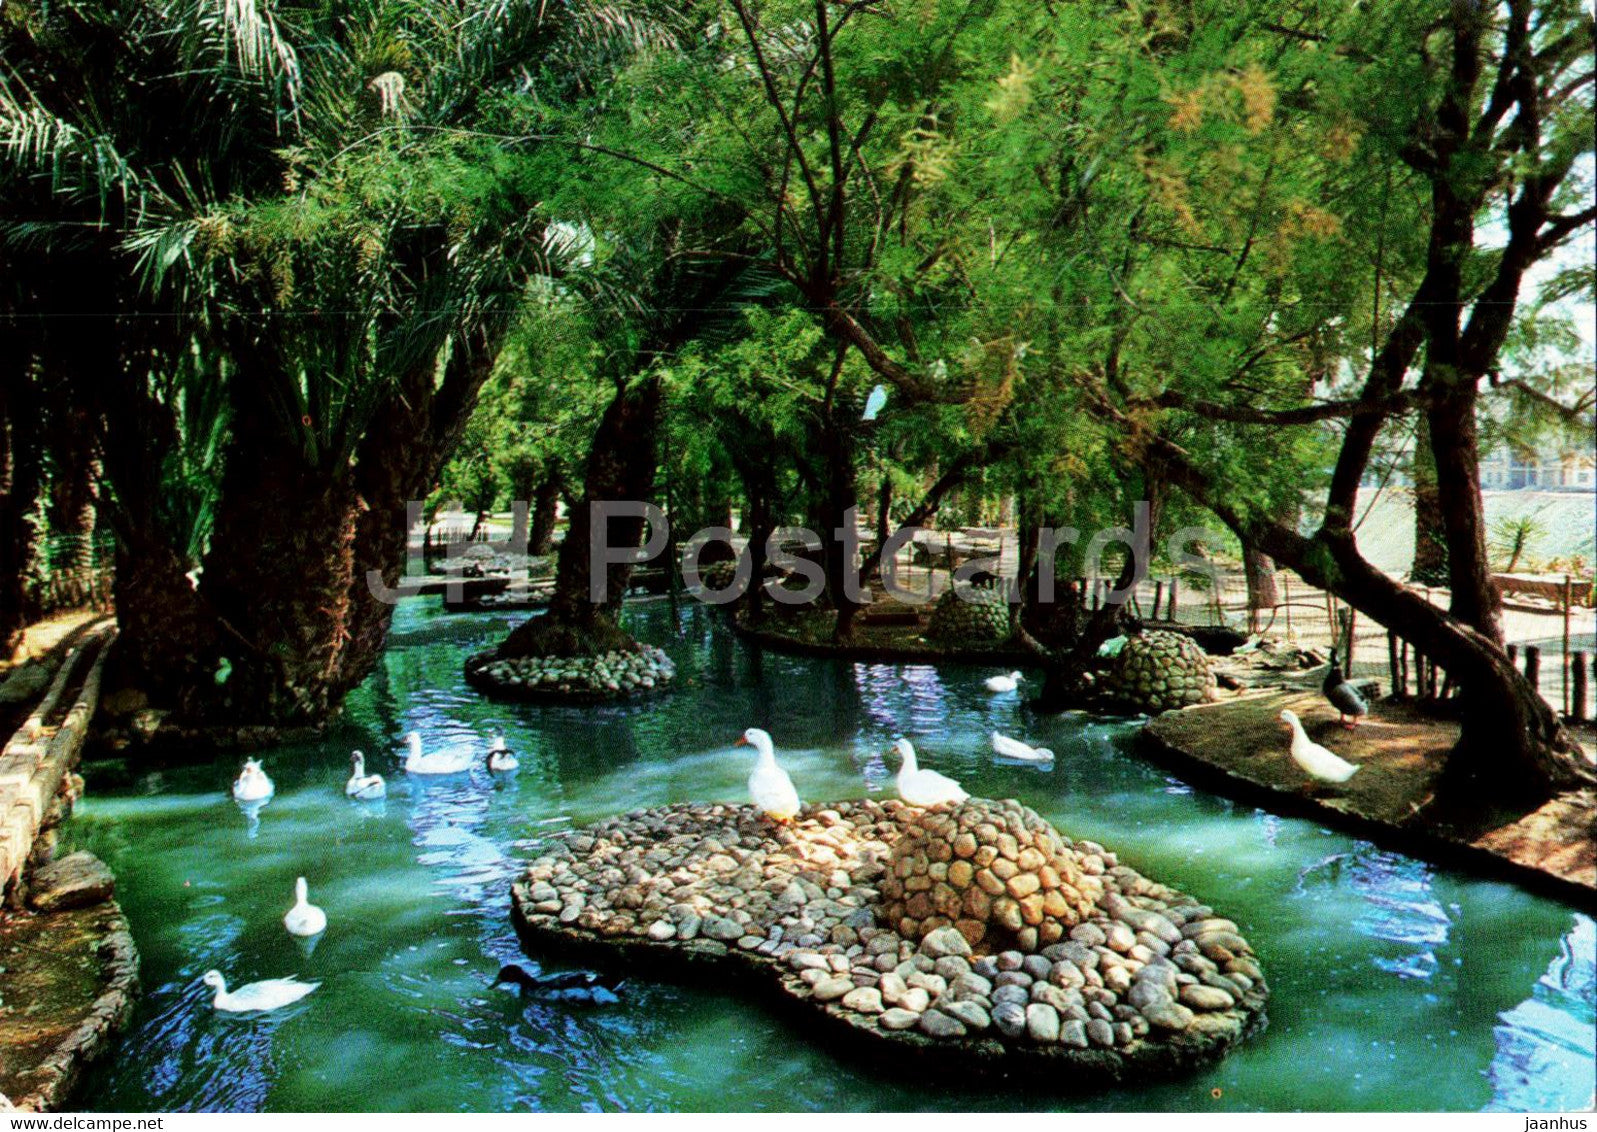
(1226, 259)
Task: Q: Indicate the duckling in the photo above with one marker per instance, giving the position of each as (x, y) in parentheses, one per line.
(362, 786)
(252, 784)
(499, 757)
(304, 918)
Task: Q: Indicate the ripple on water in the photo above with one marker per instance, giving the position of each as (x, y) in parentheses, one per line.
(415, 889)
(1546, 1057)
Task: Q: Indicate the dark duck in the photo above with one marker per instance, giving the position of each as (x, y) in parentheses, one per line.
(1343, 695)
(570, 986)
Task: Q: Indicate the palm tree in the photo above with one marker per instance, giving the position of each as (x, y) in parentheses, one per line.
(299, 227)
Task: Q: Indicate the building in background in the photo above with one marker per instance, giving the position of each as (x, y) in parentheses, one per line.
(1553, 467)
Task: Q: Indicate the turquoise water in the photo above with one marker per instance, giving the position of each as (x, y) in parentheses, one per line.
(1397, 985)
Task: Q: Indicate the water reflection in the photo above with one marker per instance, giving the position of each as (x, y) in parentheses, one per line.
(415, 890)
(1396, 903)
(1546, 1060)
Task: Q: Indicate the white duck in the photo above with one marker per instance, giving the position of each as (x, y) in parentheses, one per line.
(268, 994)
(1015, 749)
(769, 786)
(418, 763)
(252, 785)
(361, 785)
(304, 918)
(499, 757)
(924, 787)
(1323, 764)
(1005, 683)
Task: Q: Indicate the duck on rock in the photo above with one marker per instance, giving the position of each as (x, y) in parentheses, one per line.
(770, 788)
(924, 787)
(1343, 695)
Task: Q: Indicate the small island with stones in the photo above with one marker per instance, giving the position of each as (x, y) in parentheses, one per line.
(974, 932)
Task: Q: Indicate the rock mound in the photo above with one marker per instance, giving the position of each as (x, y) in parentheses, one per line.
(971, 617)
(1145, 981)
(995, 871)
(1157, 671)
(616, 674)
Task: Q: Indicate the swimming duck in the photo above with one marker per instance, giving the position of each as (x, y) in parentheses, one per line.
(769, 786)
(1319, 762)
(1343, 695)
(252, 785)
(579, 986)
(304, 918)
(924, 787)
(499, 756)
(361, 785)
(268, 994)
(1015, 749)
(418, 763)
(1005, 683)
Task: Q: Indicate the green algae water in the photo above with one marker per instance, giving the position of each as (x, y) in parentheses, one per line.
(1396, 984)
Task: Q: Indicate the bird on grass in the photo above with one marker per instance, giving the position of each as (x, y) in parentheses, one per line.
(924, 787)
(1343, 695)
(770, 788)
(1320, 763)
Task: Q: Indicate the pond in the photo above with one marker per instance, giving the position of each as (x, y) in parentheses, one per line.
(1397, 985)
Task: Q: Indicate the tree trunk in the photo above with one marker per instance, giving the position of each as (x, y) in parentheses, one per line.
(839, 498)
(1513, 751)
(544, 511)
(1066, 680)
(1454, 442)
(20, 483)
(621, 466)
(277, 578)
(1430, 537)
(1262, 591)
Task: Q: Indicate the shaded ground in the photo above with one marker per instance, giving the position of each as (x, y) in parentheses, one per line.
(1239, 746)
(67, 986)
